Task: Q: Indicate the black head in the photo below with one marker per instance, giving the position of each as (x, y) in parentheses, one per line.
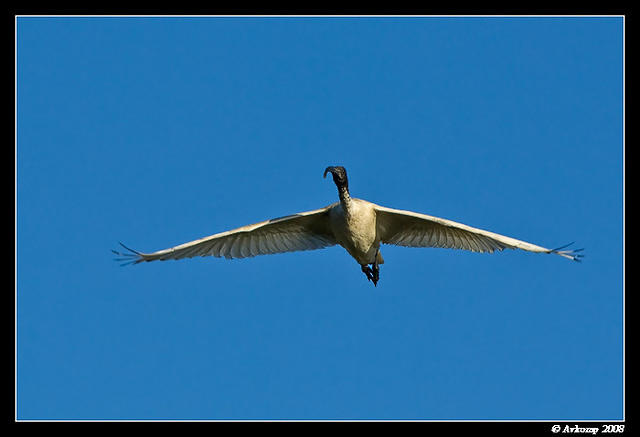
(339, 176)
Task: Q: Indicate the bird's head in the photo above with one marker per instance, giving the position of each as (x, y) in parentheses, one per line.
(339, 177)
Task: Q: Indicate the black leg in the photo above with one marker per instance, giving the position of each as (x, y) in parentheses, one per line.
(376, 269)
(367, 271)
(375, 274)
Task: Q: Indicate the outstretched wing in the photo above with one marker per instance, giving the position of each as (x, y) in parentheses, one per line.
(303, 231)
(412, 229)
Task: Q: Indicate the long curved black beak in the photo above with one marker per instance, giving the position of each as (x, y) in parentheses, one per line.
(328, 170)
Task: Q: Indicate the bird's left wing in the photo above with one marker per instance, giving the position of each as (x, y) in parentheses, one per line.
(412, 229)
(303, 231)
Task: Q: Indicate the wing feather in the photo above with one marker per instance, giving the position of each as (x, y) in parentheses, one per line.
(471, 243)
(303, 231)
(253, 247)
(412, 229)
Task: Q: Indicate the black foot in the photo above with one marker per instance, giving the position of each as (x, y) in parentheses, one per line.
(373, 274)
(376, 274)
(376, 269)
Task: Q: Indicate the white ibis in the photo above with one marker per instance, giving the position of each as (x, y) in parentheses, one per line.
(357, 225)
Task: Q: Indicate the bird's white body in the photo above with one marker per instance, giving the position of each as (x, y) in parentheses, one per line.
(355, 224)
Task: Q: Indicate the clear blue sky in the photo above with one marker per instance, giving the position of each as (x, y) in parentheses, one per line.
(158, 131)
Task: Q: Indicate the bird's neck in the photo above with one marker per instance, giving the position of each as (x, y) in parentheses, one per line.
(345, 197)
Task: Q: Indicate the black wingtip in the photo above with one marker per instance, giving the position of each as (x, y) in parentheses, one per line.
(131, 257)
(570, 254)
(557, 248)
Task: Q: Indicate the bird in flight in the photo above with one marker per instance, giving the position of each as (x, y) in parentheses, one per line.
(355, 224)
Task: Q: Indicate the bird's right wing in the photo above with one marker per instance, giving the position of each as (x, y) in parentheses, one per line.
(412, 229)
(303, 231)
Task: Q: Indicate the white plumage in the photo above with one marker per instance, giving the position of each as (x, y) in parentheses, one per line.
(357, 225)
